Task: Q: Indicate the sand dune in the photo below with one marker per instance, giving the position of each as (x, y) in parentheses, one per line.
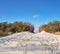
(30, 43)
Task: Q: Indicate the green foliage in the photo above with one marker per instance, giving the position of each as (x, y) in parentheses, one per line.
(51, 27)
(10, 28)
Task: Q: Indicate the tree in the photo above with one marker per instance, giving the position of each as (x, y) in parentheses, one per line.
(10, 28)
(42, 28)
(51, 27)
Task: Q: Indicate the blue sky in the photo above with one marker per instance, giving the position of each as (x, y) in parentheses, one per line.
(37, 12)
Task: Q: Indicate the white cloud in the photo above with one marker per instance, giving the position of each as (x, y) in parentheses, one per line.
(36, 16)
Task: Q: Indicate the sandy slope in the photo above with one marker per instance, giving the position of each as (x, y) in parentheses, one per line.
(30, 43)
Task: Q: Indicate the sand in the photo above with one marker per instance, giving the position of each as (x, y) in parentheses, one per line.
(30, 43)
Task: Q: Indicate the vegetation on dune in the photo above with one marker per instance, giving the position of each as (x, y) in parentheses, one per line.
(51, 27)
(10, 28)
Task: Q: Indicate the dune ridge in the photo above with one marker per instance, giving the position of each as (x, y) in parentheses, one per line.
(30, 43)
